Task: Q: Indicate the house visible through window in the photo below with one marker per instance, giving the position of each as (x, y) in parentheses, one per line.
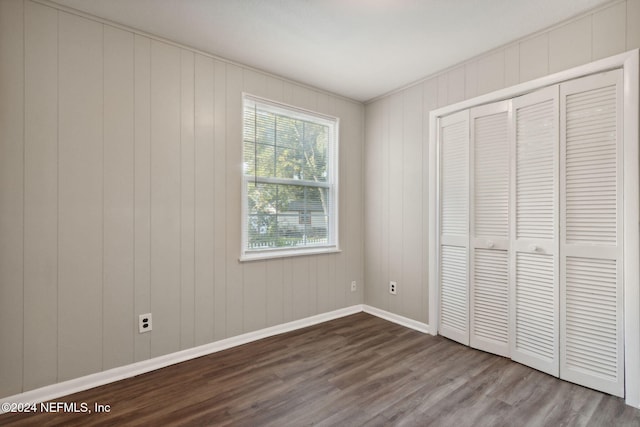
(290, 180)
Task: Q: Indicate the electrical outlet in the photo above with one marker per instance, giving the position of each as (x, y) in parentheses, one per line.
(393, 288)
(354, 286)
(144, 323)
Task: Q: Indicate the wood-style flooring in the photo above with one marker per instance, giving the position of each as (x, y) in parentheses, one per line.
(354, 371)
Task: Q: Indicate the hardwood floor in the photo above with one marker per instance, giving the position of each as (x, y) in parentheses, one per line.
(353, 371)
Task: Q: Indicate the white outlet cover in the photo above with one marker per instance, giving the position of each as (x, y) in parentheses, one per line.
(145, 323)
(393, 288)
(354, 286)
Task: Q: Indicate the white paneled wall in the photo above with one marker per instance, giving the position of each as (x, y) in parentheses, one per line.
(394, 218)
(120, 163)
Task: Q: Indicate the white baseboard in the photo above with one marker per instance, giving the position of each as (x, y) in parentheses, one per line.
(66, 388)
(76, 385)
(400, 320)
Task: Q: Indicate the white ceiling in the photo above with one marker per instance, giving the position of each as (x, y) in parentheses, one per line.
(357, 48)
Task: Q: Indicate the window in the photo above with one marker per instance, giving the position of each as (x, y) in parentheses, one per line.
(290, 180)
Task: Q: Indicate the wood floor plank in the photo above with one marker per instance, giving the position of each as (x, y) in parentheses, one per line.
(355, 371)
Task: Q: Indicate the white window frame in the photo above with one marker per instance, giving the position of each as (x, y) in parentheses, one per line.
(331, 183)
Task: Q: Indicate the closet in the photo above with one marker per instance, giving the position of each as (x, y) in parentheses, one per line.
(530, 220)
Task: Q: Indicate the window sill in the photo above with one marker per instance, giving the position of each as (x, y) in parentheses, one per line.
(286, 253)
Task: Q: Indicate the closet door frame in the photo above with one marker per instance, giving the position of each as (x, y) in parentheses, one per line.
(629, 63)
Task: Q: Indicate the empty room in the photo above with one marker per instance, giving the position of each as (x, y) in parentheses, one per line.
(320, 212)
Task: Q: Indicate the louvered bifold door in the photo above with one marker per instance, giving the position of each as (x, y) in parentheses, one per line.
(592, 352)
(534, 230)
(489, 243)
(453, 146)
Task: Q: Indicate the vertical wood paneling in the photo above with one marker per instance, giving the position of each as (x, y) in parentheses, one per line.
(40, 197)
(534, 57)
(305, 98)
(429, 99)
(355, 212)
(633, 30)
(131, 169)
(570, 45)
(443, 89)
(220, 201)
(349, 205)
(332, 271)
(412, 191)
(118, 276)
(512, 65)
(323, 285)
(471, 80)
(204, 194)
(287, 290)
(80, 220)
(142, 190)
(373, 290)
(491, 72)
(456, 80)
(275, 300)
(11, 195)
(301, 298)
(187, 199)
(255, 295)
(275, 88)
(255, 83)
(384, 191)
(165, 198)
(313, 283)
(339, 261)
(396, 206)
(234, 282)
(609, 31)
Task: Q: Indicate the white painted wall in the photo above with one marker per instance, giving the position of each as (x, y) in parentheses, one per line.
(397, 129)
(120, 163)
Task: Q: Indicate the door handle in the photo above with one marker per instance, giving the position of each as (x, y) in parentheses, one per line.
(533, 248)
(490, 244)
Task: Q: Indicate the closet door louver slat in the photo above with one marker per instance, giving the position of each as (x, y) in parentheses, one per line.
(534, 302)
(453, 146)
(489, 210)
(530, 254)
(592, 352)
(453, 295)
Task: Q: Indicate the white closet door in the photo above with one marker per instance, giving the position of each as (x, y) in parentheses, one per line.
(489, 243)
(534, 231)
(453, 145)
(592, 352)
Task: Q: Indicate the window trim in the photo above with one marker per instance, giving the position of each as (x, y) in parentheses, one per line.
(332, 184)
